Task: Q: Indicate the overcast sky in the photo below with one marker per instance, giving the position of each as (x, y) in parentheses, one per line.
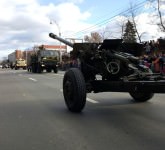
(25, 23)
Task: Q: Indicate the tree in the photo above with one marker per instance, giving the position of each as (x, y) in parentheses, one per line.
(160, 14)
(129, 33)
(133, 15)
(120, 24)
(105, 33)
(95, 37)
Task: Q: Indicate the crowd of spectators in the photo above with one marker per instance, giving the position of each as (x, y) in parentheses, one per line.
(154, 56)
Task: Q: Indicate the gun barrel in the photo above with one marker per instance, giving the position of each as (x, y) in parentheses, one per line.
(52, 35)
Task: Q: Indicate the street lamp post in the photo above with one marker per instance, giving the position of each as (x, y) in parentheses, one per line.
(59, 30)
(59, 33)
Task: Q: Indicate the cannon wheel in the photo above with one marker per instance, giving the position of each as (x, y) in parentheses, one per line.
(74, 90)
(141, 97)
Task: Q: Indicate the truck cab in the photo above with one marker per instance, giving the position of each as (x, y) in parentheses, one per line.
(45, 59)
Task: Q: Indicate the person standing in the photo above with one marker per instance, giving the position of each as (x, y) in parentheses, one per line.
(162, 63)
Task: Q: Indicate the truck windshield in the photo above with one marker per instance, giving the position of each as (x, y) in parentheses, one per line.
(49, 53)
(20, 61)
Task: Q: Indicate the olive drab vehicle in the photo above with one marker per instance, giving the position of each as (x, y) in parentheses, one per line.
(108, 67)
(43, 59)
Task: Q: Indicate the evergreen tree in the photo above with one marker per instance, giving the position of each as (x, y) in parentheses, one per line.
(129, 33)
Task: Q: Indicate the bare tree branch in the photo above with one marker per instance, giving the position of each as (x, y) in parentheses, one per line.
(95, 37)
(134, 22)
(160, 17)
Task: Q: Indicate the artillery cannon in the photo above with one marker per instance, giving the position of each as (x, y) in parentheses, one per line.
(105, 67)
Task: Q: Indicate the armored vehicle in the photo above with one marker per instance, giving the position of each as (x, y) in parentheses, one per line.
(108, 67)
(17, 60)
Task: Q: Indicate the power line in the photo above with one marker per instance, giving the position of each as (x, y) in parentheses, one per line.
(105, 21)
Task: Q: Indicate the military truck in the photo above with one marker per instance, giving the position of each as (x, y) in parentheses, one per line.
(17, 60)
(41, 59)
(108, 67)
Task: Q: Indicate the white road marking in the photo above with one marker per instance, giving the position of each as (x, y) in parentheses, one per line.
(61, 75)
(92, 101)
(33, 79)
(88, 99)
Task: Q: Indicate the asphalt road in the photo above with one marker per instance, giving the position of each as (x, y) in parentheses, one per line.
(33, 116)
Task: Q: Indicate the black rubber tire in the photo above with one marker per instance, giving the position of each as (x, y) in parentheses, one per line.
(74, 90)
(34, 69)
(141, 97)
(55, 70)
(39, 69)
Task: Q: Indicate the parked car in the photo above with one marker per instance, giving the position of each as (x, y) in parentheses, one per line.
(4, 66)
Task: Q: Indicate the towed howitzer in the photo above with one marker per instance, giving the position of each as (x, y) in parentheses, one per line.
(119, 71)
(109, 59)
